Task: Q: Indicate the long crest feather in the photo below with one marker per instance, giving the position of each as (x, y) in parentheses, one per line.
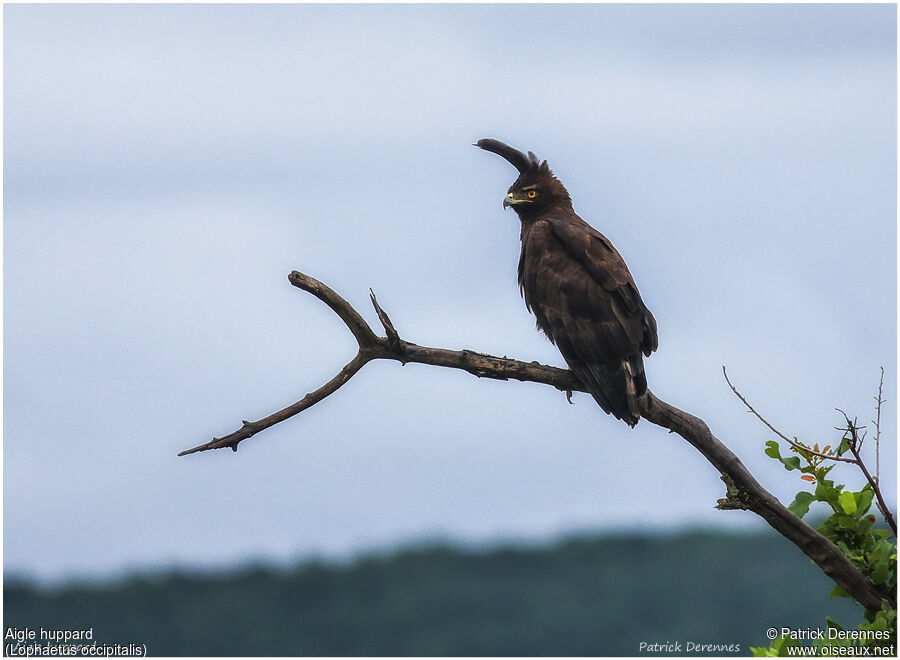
(516, 158)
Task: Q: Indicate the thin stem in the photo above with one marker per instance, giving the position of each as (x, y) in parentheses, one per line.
(779, 433)
(854, 445)
(878, 428)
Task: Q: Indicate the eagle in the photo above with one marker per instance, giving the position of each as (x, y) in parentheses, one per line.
(579, 289)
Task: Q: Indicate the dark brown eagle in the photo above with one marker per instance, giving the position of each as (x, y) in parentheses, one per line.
(578, 288)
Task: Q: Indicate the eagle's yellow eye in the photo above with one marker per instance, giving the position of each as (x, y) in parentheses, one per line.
(532, 194)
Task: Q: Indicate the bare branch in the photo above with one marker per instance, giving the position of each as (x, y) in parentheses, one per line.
(779, 433)
(854, 444)
(392, 336)
(877, 422)
(249, 429)
(358, 326)
(744, 492)
(368, 344)
(372, 347)
(853, 429)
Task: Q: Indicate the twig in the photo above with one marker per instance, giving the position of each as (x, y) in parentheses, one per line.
(781, 435)
(854, 444)
(392, 336)
(744, 491)
(879, 401)
(249, 429)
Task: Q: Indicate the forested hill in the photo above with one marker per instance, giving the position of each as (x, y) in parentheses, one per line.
(586, 596)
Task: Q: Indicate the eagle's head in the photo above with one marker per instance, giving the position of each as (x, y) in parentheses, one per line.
(536, 189)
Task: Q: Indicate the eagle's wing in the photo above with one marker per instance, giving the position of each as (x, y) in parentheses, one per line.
(585, 300)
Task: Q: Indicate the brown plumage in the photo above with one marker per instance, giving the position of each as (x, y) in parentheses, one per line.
(578, 288)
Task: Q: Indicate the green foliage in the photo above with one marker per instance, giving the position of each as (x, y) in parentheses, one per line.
(873, 550)
(839, 642)
(778, 648)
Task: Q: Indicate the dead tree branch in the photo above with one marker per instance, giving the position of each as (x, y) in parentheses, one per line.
(372, 347)
(743, 491)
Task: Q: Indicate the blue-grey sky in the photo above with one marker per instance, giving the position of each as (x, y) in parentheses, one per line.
(166, 166)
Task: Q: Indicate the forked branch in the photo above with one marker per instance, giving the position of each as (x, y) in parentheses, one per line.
(743, 491)
(854, 442)
(373, 347)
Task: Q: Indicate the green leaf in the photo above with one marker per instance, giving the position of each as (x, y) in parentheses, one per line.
(844, 446)
(847, 522)
(881, 551)
(864, 499)
(848, 502)
(826, 492)
(792, 463)
(880, 573)
(833, 624)
(884, 619)
(838, 592)
(800, 505)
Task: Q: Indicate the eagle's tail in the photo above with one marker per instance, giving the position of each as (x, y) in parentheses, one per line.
(616, 386)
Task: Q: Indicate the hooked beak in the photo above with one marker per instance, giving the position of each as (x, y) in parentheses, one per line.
(511, 200)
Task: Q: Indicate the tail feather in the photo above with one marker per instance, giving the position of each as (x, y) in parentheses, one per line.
(616, 387)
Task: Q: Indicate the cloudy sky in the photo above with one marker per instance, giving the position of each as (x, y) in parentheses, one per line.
(165, 167)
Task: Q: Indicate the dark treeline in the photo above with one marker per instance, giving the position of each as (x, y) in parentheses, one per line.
(585, 596)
